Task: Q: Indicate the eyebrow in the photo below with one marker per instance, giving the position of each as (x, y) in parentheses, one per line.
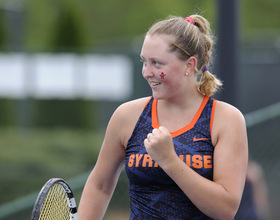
(152, 58)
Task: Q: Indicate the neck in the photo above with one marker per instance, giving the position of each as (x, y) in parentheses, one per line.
(190, 99)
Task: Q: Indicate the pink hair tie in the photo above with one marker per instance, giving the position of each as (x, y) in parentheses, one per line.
(189, 19)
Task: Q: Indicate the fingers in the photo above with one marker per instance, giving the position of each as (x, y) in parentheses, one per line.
(163, 129)
(154, 133)
(157, 132)
(148, 136)
(159, 144)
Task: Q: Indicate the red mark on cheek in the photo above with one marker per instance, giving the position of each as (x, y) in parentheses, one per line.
(162, 75)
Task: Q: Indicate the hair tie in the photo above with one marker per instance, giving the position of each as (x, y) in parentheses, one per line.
(205, 68)
(189, 19)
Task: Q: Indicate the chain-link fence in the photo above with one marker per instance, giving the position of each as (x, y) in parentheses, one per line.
(265, 150)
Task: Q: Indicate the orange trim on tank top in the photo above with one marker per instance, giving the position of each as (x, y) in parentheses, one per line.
(212, 115)
(155, 123)
(147, 102)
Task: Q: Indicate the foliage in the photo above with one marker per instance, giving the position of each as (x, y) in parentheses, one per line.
(67, 35)
(258, 14)
(29, 158)
(64, 113)
(3, 36)
(7, 116)
(49, 113)
(82, 24)
(79, 25)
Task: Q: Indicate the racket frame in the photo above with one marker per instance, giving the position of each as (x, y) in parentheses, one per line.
(44, 191)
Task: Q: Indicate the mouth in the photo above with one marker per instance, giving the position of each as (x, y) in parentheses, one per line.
(155, 83)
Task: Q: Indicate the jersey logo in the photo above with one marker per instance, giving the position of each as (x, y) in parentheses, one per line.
(196, 161)
(200, 139)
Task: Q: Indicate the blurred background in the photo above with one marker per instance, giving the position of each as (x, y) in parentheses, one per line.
(65, 65)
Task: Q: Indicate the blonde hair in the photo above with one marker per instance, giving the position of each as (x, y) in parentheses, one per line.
(191, 40)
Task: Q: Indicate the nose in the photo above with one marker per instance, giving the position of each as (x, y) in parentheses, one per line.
(147, 71)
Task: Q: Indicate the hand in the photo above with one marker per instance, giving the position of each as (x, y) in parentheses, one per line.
(159, 145)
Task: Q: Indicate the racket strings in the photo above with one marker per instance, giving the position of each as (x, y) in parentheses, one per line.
(55, 205)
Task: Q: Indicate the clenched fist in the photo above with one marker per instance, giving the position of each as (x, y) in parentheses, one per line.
(159, 145)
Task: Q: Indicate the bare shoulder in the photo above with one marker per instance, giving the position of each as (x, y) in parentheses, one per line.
(227, 119)
(225, 111)
(126, 116)
(133, 105)
(130, 110)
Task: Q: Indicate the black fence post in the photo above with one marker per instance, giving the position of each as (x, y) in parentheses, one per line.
(227, 46)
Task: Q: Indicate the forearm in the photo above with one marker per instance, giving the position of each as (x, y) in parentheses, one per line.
(209, 197)
(93, 203)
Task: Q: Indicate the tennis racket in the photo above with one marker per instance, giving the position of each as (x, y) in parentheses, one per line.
(55, 202)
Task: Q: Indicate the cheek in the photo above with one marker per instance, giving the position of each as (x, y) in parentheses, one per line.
(166, 77)
(162, 75)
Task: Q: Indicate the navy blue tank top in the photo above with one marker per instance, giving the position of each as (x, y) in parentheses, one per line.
(153, 194)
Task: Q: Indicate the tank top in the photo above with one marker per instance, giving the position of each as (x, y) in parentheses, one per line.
(153, 194)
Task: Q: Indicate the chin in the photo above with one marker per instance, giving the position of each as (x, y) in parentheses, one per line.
(159, 97)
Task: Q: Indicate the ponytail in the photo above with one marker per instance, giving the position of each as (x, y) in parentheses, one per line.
(208, 83)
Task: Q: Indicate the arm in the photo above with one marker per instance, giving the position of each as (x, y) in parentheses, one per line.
(103, 178)
(220, 198)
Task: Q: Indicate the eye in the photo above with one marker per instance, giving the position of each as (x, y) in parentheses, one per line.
(143, 61)
(156, 64)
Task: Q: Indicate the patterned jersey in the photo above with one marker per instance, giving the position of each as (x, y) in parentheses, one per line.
(153, 194)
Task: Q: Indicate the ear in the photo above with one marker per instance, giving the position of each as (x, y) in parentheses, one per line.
(191, 64)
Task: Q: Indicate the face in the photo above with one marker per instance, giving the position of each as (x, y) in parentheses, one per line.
(162, 69)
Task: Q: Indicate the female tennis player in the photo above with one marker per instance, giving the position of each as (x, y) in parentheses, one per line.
(185, 153)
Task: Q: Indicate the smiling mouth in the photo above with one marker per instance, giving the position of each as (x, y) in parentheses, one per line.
(155, 83)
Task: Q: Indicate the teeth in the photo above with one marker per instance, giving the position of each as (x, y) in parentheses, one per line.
(154, 84)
